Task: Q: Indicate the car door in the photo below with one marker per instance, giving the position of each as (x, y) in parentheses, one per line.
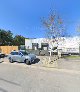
(20, 57)
(15, 56)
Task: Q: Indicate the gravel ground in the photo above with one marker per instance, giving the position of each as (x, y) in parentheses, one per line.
(70, 64)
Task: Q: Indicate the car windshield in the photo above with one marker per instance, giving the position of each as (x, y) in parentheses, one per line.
(24, 52)
(14, 53)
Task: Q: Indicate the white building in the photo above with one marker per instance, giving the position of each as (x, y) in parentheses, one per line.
(36, 43)
(67, 44)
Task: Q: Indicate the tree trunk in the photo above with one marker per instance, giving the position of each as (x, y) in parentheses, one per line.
(79, 49)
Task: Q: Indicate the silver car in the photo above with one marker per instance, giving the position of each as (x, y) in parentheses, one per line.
(21, 56)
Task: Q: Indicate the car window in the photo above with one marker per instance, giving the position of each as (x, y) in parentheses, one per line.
(14, 53)
(24, 52)
(20, 53)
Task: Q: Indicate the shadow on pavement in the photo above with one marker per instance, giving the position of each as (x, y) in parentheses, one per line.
(10, 82)
(1, 61)
(3, 90)
(36, 61)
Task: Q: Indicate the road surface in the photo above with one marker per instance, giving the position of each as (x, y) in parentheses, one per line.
(18, 77)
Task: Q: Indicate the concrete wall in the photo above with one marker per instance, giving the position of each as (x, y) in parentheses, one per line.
(70, 44)
(28, 43)
(67, 44)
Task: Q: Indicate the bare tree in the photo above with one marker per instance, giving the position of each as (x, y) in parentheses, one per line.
(78, 31)
(54, 25)
(54, 28)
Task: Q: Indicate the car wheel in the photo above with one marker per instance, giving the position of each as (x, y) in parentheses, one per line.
(27, 62)
(11, 60)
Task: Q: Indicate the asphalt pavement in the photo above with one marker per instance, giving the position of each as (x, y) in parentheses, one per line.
(19, 77)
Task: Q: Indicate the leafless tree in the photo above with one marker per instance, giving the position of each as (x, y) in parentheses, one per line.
(54, 27)
(78, 31)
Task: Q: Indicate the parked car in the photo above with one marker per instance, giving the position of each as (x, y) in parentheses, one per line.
(2, 55)
(21, 56)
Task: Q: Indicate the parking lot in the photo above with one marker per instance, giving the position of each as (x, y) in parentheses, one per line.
(19, 77)
(69, 64)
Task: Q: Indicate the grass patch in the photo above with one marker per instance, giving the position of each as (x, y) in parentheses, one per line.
(72, 57)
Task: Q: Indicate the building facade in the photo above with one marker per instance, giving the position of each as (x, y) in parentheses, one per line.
(39, 43)
(66, 44)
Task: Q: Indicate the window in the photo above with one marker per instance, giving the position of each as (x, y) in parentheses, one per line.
(24, 52)
(14, 53)
(20, 53)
